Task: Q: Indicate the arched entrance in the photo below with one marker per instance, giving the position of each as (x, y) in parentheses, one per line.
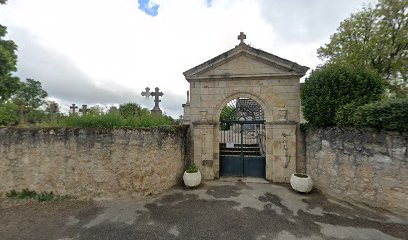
(256, 135)
(242, 138)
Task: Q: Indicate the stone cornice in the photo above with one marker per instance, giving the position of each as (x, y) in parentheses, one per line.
(292, 68)
(245, 76)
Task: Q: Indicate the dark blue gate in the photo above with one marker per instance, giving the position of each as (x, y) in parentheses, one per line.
(242, 148)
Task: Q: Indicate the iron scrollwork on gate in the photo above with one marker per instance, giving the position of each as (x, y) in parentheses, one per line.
(242, 135)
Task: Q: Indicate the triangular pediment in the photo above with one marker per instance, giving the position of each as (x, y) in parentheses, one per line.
(243, 65)
(245, 61)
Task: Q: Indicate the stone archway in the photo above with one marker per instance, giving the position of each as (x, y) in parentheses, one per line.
(267, 112)
(242, 137)
(244, 71)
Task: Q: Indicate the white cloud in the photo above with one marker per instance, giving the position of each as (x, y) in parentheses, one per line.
(306, 21)
(113, 50)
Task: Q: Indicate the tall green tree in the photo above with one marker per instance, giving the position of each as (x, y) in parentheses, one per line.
(8, 114)
(30, 95)
(8, 61)
(376, 37)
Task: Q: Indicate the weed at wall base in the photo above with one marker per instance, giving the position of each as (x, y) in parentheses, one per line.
(39, 197)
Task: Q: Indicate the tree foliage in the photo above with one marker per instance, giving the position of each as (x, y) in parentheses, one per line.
(30, 95)
(228, 113)
(96, 110)
(8, 114)
(16, 96)
(131, 110)
(113, 110)
(332, 86)
(376, 37)
(8, 61)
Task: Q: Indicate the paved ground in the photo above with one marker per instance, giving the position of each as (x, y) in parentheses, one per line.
(216, 210)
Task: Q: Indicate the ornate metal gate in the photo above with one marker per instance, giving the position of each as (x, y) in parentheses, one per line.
(242, 139)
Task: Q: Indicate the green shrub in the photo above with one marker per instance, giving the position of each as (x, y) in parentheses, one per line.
(8, 114)
(332, 86)
(388, 114)
(35, 116)
(131, 110)
(345, 115)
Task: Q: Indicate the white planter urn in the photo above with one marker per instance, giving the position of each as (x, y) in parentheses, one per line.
(192, 179)
(301, 182)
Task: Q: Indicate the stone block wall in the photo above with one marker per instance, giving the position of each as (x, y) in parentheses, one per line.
(92, 163)
(361, 166)
(208, 97)
(300, 150)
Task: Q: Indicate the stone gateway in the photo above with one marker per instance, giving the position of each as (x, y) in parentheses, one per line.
(244, 111)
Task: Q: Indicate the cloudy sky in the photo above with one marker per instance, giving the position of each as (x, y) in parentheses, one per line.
(106, 52)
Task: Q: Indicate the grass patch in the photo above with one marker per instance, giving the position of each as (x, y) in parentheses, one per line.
(111, 121)
(39, 197)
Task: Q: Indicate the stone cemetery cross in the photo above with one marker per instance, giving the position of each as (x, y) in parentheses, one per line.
(147, 93)
(84, 109)
(53, 110)
(241, 37)
(156, 94)
(73, 107)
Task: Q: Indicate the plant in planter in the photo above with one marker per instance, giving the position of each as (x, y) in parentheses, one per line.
(301, 182)
(192, 176)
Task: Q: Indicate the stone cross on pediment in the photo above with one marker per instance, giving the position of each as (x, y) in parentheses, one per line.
(241, 37)
(73, 108)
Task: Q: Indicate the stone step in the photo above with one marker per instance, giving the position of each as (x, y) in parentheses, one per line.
(239, 148)
(239, 145)
(239, 153)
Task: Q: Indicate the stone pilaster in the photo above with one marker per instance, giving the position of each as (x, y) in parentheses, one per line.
(187, 114)
(203, 135)
(280, 151)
